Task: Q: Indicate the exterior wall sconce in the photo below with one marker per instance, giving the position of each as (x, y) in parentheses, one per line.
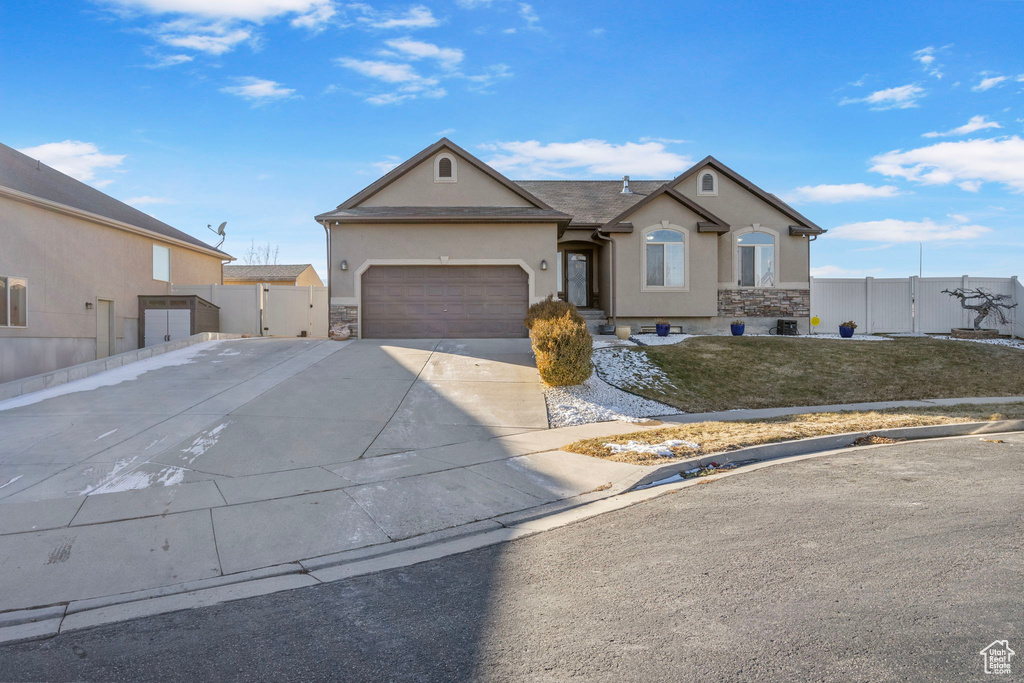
(344, 264)
(544, 264)
(88, 305)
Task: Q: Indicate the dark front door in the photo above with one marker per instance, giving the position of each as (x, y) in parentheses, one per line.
(577, 277)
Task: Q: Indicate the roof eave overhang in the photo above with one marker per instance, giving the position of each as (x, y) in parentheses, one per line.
(108, 222)
(710, 219)
(328, 219)
(708, 226)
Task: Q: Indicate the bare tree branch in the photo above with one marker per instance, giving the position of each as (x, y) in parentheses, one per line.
(261, 255)
(985, 304)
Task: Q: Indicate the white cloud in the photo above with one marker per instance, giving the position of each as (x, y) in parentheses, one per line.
(418, 16)
(667, 141)
(975, 124)
(597, 32)
(837, 271)
(967, 163)
(893, 230)
(901, 97)
(146, 199)
(80, 160)
(387, 164)
(530, 16)
(213, 38)
(586, 157)
(411, 84)
(448, 57)
(473, 4)
(989, 82)
(247, 10)
(958, 217)
(833, 194)
(494, 73)
(259, 90)
(445, 132)
(163, 61)
(928, 58)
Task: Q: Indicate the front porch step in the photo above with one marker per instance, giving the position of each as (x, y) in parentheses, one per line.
(592, 313)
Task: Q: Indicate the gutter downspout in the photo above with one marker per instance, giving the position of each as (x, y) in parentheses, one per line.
(611, 274)
(327, 230)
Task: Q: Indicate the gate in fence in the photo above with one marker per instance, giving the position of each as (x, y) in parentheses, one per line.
(266, 310)
(908, 305)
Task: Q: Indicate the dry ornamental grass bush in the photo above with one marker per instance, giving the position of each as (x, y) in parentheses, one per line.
(551, 308)
(563, 347)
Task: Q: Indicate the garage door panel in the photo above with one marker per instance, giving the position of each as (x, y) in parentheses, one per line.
(444, 301)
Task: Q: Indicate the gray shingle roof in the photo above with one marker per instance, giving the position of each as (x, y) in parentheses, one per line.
(24, 174)
(590, 201)
(441, 212)
(266, 273)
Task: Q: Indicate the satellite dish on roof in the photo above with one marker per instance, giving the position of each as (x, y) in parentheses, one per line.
(221, 230)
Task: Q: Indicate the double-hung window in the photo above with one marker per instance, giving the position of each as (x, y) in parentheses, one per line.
(13, 301)
(161, 263)
(665, 258)
(756, 254)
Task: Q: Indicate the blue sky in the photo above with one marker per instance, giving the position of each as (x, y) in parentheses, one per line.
(891, 124)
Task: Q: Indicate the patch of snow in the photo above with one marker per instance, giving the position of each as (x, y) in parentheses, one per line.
(204, 442)
(167, 476)
(655, 340)
(102, 436)
(663, 449)
(1012, 343)
(825, 335)
(11, 481)
(112, 476)
(611, 343)
(597, 401)
(628, 368)
(124, 373)
(230, 352)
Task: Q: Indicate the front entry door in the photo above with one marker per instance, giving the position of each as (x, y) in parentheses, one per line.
(577, 278)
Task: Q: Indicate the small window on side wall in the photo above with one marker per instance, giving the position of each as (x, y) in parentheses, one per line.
(664, 259)
(446, 169)
(707, 183)
(13, 301)
(756, 259)
(161, 263)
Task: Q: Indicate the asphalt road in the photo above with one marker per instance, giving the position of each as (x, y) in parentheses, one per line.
(894, 563)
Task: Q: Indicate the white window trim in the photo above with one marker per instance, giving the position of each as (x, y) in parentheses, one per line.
(437, 170)
(168, 249)
(700, 183)
(756, 227)
(664, 225)
(11, 279)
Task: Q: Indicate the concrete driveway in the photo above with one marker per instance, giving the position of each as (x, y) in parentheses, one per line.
(237, 455)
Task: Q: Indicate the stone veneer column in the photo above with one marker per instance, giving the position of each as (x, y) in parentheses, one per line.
(345, 315)
(764, 303)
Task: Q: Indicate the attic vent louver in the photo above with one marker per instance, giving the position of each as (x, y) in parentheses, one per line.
(625, 185)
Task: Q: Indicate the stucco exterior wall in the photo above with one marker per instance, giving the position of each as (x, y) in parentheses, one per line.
(701, 268)
(359, 243)
(741, 208)
(70, 261)
(417, 188)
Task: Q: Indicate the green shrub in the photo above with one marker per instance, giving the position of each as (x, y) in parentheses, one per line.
(551, 308)
(563, 347)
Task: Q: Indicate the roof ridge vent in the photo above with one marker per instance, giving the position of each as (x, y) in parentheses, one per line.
(625, 185)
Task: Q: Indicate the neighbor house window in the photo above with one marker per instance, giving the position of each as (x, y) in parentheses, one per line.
(445, 169)
(161, 263)
(665, 258)
(707, 183)
(756, 259)
(13, 302)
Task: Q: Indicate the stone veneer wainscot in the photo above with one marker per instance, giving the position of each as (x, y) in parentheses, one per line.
(764, 303)
(345, 315)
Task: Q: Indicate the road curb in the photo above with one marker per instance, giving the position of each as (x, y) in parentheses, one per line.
(46, 622)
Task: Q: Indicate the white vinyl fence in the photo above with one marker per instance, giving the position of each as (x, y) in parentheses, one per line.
(266, 310)
(913, 304)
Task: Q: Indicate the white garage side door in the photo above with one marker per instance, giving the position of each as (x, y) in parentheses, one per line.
(156, 327)
(416, 302)
(179, 324)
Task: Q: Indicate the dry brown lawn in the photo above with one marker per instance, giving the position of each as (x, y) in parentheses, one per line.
(723, 373)
(717, 437)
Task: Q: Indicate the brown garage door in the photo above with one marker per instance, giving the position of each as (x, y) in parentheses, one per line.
(409, 302)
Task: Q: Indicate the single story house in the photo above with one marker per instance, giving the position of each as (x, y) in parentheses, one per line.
(73, 262)
(297, 275)
(446, 246)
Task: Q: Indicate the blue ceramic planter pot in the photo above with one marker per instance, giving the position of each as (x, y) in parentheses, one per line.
(846, 332)
(662, 330)
(737, 330)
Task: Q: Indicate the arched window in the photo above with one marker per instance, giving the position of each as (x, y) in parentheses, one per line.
(755, 258)
(707, 183)
(664, 258)
(446, 169)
